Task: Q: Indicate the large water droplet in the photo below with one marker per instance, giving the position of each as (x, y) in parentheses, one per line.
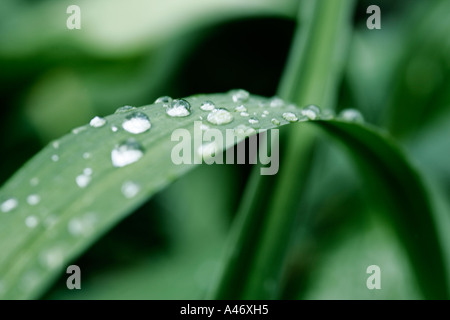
(208, 106)
(83, 180)
(31, 221)
(126, 153)
(240, 95)
(179, 108)
(124, 109)
(136, 123)
(97, 122)
(351, 115)
(130, 189)
(220, 116)
(240, 108)
(253, 120)
(9, 205)
(289, 116)
(312, 112)
(165, 100)
(33, 199)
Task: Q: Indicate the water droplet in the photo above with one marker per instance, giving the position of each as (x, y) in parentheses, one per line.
(114, 129)
(289, 116)
(9, 205)
(136, 123)
(220, 116)
(82, 180)
(165, 100)
(240, 95)
(208, 106)
(240, 108)
(130, 189)
(82, 225)
(55, 158)
(124, 109)
(208, 150)
(204, 127)
(55, 144)
(276, 121)
(311, 112)
(351, 115)
(97, 122)
(33, 199)
(86, 155)
(87, 171)
(52, 258)
(126, 153)
(31, 222)
(244, 130)
(276, 102)
(265, 112)
(244, 114)
(34, 182)
(78, 130)
(327, 114)
(179, 108)
(253, 120)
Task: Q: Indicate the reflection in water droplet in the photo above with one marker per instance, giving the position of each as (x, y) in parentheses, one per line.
(124, 109)
(220, 116)
(136, 122)
(33, 199)
(126, 153)
(240, 95)
(179, 108)
(208, 106)
(351, 115)
(31, 222)
(130, 189)
(9, 205)
(97, 122)
(289, 116)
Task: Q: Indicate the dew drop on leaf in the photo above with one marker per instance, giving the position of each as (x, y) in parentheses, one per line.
(276, 121)
(33, 199)
(312, 112)
(124, 109)
(276, 102)
(55, 158)
(114, 129)
(351, 115)
(83, 180)
(165, 100)
(219, 116)
(288, 116)
(240, 108)
(126, 153)
(136, 122)
(244, 114)
(253, 120)
(9, 205)
(179, 108)
(240, 95)
(130, 189)
(97, 122)
(31, 221)
(208, 105)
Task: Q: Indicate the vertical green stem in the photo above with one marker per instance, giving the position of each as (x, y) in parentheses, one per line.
(261, 235)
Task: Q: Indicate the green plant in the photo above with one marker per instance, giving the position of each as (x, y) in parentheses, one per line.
(76, 189)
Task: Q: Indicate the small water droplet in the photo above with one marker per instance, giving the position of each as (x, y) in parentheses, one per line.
(87, 171)
(33, 199)
(240, 95)
(97, 122)
(86, 155)
(165, 100)
(327, 114)
(78, 130)
(34, 182)
(124, 109)
(31, 222)
(312, 112)
(244, 130)
(83, 180)
(136, 123)
(253, 120)
(351, 115)
(204, 127)
(208, 106)
(130, 189)
(55, 158)
(9, 205)
(265, 112)
(208, 150)
(276, 102)
(55, 144)
(82, 225)
(179, 108)
(126, 153)
(244, 114)
(275, 121)
(220, 116)
(114, 129)
(289, 116)
(240, 108)
(52, 258)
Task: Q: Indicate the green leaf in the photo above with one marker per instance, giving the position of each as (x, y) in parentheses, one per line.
(37, 240)
(396, 185)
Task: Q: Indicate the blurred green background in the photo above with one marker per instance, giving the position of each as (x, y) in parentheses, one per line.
(130, 52)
